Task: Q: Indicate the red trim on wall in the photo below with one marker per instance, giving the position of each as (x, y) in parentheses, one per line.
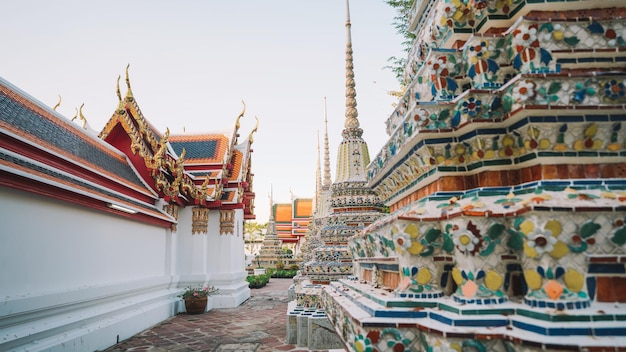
(55, 162)
(16, 182)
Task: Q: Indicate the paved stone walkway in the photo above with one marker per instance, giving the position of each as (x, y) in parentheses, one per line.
(259, 325)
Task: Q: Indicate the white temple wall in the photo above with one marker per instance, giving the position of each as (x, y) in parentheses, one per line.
(77, 279)
(213, 258)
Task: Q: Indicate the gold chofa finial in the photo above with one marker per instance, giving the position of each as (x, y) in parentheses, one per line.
(243, 111)
(82, 117)
(129, 93)
(75, 114)
(256, 128)
(58, 104)
(119, 94)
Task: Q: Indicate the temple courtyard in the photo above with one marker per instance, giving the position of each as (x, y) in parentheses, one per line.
(256, 325)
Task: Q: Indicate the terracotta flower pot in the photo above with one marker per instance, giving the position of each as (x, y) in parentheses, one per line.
(195, 305)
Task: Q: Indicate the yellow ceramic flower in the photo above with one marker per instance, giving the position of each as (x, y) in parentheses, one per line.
(529, 251)
(456, 275)
(559, 251)
(554, 227)
(574, 280)
(415, 248)
(493, 280)
(533, 279)
(526, 227)
(423, 276)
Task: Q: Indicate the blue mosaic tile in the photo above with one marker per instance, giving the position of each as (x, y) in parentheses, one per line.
(606, 268)
(610, 331)
(440, 318)
(530, 327)
(570, 331)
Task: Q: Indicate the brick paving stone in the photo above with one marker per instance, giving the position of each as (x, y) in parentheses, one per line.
(257, 325)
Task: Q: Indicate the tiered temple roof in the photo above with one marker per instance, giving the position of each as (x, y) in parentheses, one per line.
(209, 170)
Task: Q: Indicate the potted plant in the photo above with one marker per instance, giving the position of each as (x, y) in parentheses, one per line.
(196, 298)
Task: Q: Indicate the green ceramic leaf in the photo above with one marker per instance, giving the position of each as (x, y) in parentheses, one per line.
(547, 26)
(571, 41)
(507, 102)
(554, 87)
(429, 251)
(589, 229)
(488, 250)
(448, 245)
(495, 230)
(517, 222)
(619, 236)
(470, 276)
(549, 274)
(432, 234)
(516, 242)
(579, 248)
(444, 114)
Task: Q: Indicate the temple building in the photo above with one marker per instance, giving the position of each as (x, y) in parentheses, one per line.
(292, 221)
(505, 174)
(101, 232)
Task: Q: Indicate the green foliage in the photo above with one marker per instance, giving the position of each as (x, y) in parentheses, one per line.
(294, 267)
(284, 274)
(253, 229)
(401, 24)
(258, 281)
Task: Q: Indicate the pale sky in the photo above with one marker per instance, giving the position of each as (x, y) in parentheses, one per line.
(193, 62)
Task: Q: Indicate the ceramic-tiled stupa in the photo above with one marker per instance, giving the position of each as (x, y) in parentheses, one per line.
(505, 173)
(270, 253)
(350, 204)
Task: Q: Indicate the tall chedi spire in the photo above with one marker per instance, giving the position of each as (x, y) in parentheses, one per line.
(353, 155)
(327, 178)
(348, 204)
(318, 176)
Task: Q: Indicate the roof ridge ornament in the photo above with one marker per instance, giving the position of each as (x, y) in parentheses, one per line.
(129, 92)
(57, 104)
(82, 117)
(256, 128)
(237, 123)
(75, 114)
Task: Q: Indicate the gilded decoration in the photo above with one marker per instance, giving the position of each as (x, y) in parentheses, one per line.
(200, 220)
(172, 209)
(227, 222)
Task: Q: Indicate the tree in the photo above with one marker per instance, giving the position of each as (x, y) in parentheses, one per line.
(253, 229)
(401, 23)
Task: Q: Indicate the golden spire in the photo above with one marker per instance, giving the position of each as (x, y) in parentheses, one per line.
(318, 175)
(351, 112)
(57, 104)
(327, 177)
(129, 92)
